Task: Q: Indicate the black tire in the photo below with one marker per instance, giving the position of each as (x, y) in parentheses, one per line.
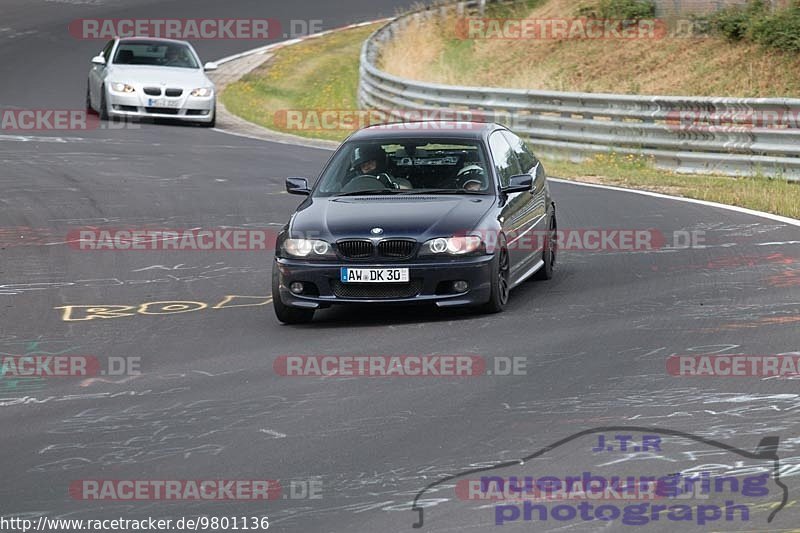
(103, 111)
(89, 108)
(501, 286)
(286, 314)
(549, 252)
(213, 123)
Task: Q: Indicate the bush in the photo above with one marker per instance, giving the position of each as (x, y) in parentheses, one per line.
(734, 23)
(626, 9)
(517, 8)
(755, 23)
(780, 30)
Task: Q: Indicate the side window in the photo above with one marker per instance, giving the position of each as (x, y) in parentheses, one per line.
(107, 50)
(505, 161)
(526, 158)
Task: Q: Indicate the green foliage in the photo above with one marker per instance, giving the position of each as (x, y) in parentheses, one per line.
(756, 23)
(734, 23)
(780, 30)
(518, 8)
(620, 10)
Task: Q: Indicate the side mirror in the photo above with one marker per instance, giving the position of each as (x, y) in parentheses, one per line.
(208, 67)
(521, 183)
(99, 60)
(297, 186)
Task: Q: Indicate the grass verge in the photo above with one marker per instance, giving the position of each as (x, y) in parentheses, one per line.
(772, 195)
(322, 74)
(301, 81)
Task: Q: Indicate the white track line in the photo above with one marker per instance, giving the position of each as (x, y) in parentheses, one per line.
(281, 44)
(744, 210)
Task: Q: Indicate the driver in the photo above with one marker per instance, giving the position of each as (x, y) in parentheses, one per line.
(371, 161)
(367, 160)
(173, 56)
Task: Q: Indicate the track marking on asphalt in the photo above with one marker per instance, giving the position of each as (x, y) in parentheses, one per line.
(273, 433)
(743, 210)
(276, 140)
(80, 313)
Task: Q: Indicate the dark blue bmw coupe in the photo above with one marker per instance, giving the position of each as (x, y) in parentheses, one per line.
(448, 213)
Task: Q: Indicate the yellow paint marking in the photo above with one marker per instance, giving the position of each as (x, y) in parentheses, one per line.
(78, 313)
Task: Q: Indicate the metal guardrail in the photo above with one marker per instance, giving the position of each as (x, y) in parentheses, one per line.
(734, 136)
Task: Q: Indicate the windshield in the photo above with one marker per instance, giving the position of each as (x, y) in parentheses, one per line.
(412, 166)
(154, 53)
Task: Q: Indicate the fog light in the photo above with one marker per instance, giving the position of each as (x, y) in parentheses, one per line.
(296, 287)
(460, 286)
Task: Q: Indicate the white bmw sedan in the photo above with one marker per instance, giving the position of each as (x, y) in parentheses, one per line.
(147, 77)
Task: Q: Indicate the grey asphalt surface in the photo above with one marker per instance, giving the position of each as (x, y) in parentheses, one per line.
(209, 404)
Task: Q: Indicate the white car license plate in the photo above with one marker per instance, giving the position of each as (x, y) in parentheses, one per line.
(162, 102)
(374, 275)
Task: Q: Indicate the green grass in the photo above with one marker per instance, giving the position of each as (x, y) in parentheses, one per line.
(517, 9)
(317, 75)
(772, 195)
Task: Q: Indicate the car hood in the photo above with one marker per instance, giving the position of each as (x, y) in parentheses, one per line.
(185, 78)
(415, 217)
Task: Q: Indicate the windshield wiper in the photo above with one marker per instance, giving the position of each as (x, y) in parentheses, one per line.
(443, 191)
(367, 192)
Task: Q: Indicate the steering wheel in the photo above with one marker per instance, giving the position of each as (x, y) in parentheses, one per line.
(385, 180)
(364, 182)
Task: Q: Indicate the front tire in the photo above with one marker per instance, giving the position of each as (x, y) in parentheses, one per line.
(213, 123)
(286, 314)
(103, 111)
(89, 108)
(500, 283)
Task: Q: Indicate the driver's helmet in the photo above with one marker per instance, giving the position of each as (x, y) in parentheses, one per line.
(471, 169)
(473, 173)
(369, 153)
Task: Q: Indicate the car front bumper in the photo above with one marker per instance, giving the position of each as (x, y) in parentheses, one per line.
(427, 281)
(139, 105)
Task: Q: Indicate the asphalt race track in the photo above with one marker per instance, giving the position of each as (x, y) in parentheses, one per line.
(209, 405)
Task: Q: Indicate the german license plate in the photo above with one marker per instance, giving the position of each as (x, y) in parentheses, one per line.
(374, 275)
(162, 102)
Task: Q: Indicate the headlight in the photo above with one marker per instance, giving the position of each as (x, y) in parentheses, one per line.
(312, 248)
(468, 244)
(122, 88)
(203, 91)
